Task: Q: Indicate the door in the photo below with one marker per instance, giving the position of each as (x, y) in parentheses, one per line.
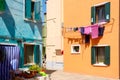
(10, 60)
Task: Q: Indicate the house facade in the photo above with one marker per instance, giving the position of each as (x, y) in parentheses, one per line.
(54, 40)
(20, 34)
(91, 37)
(44, 30)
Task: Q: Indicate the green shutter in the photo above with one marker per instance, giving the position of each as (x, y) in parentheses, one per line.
(93, 55)
(37, 10)
(93, 18)
(107, 11)
(36, 54)
(21, 63)
(107, 55)
(28, 9)
(2, 5)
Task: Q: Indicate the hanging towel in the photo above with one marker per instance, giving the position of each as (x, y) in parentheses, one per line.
(87, 38)
(101, 31)
(87, 30)
(94, 32)
(82, 30)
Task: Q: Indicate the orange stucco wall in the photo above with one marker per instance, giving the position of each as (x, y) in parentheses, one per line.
(78, 13)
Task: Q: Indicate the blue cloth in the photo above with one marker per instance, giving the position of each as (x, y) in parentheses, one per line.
(87, 38)
(82, 30)
(101, 31)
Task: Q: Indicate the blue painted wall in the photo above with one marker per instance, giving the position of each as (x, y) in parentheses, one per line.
(16, 29)
(12, 23)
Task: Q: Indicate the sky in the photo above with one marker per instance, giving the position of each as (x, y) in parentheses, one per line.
(43, 6)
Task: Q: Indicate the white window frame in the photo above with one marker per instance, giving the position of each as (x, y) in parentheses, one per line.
(100, 63)
(33, 54)
(72, 51)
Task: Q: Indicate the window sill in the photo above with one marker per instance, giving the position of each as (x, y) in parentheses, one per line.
(75, 52)
(102, 23)
(23, 69)
(100, 64)
(30, 20)
(29, 64)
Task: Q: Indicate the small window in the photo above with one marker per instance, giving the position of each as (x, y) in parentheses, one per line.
(31, 54)
(100, 55)
(32, 10)
(100, 13)
(28, 54)
(75, 48)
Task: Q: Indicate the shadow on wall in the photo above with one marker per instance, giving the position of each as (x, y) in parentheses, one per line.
(38, 27)
(73, 40)
(9, 21)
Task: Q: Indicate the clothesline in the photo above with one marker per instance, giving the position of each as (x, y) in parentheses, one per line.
(77, 28)
(94, 31)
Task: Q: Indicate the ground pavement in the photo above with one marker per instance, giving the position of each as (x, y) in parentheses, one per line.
(61, 75)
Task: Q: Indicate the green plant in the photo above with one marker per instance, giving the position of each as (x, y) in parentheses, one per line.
(35, 68)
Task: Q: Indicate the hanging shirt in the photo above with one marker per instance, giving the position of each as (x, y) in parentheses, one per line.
(82, 30)
(94, 32)
(87, 38)
(87, 30)
(101, 31)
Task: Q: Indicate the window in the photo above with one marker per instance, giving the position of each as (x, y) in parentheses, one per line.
(2, 5)
(100, 55)
(100, 13)
(32, 10)
(75, 48)
(31, 54)
(28, 54)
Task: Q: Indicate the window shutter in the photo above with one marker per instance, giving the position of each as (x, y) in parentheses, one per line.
(93, 18)
(93, 55)
(28, 9)
(107, 11)
(37, 10)
(2, 5)
(36, 54)
(107, 55)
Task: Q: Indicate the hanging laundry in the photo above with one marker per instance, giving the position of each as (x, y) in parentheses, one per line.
(79, 29)
(68, 29)
(87, 38)
(101, 31)
(87, 30)
(94, 32)
(75, 29)
(71, 29)
(82, 30)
